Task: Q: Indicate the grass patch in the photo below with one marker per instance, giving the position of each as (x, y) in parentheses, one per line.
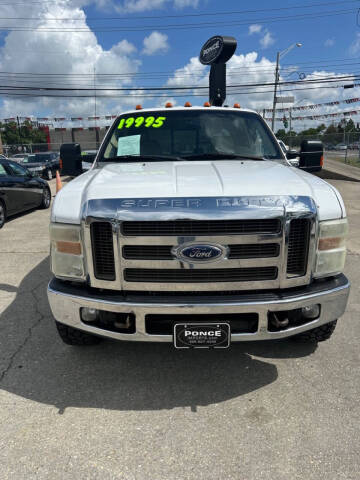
(352, 160)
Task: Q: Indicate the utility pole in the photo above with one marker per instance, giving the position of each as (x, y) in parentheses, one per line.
(290, 119)
(95, 111)
(278, 56)
(275, 90)
(95, 95)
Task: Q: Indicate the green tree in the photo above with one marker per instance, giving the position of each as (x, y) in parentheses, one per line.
(12, 134)
(281, 134)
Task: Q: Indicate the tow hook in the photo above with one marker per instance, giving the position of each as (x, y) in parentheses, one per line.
(125, 324)
(277, 322)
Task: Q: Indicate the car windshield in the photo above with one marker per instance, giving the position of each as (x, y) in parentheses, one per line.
(192, 134)
(36, 158)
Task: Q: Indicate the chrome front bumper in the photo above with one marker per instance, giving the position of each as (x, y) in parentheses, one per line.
(66, 300)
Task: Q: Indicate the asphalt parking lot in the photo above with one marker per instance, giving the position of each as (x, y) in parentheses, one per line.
(270, 411)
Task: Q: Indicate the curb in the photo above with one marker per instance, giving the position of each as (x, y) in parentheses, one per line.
(335, 170)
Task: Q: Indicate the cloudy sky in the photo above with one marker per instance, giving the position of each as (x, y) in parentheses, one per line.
(133, 44)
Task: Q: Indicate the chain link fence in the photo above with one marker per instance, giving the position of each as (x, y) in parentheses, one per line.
(343, 147)
(24, 149)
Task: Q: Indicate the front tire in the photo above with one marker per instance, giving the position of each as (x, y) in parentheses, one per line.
(2, 214)
(46, 198)
(73, 336)
(318, 334)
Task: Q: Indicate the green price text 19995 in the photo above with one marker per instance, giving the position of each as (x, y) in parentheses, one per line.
(141, 121)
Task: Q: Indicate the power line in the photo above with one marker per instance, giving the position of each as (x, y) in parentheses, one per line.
(143, 28)
(188, 15)
(164, 96)
(255, 69)
(320, 80)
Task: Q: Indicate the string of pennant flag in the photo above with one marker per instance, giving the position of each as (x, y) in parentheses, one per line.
(268, 110)
(322, 116)
(314, 106)
(58, 119)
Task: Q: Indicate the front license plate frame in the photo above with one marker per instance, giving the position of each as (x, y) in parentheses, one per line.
(184, 340)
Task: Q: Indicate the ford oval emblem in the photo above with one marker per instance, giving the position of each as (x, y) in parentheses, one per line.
(199, 253)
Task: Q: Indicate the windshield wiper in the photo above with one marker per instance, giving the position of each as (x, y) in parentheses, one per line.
(153, 158)
(219, 156)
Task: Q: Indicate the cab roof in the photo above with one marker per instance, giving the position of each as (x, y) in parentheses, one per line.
(195, 107)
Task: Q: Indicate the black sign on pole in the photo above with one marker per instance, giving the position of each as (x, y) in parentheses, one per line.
(216, 52)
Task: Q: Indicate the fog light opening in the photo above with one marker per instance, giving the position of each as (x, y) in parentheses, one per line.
(89, 314)
(311, 312)
(125, 324)
(279, 323)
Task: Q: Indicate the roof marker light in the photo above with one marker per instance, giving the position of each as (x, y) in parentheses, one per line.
(207, 104)
(138, 107)
(236, 105)
(168, 105)
(187, 104)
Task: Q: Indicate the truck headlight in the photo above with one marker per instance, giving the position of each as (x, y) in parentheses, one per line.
(67, 259)
(331, 249)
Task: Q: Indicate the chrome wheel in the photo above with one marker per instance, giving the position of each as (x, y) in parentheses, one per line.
(2, 215)
(46, 198)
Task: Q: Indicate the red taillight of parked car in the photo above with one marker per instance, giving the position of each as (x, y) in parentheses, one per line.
(61, 163)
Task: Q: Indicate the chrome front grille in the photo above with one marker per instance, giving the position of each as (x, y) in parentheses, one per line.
(298, 246)
(103, 250)
(209, 275)
(200, 227)
(163, 252)
(260, 253)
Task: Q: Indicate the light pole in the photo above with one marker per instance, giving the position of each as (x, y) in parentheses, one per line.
(290, 117)
(278, 56)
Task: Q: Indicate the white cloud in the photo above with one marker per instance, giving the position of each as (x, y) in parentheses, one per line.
(186, 3)
(355, 46)
(156, 42)
(124, 48)
(73, 54)
(255, 28)
(251, 69)
(329, 42)
(267, 40)
(135, 6)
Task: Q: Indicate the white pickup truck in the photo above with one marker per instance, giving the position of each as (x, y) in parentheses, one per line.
(192, 227)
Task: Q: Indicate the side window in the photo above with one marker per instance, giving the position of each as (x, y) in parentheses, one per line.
(3, 172)
(17, 170)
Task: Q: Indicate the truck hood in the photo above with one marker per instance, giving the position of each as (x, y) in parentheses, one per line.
(235, 178)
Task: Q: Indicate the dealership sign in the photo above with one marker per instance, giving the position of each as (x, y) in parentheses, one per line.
(218, 49)
(216, 52)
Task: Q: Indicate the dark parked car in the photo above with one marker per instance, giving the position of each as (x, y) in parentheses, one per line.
(43, 164)
(329, 146)
(87, 158)
(20, 190)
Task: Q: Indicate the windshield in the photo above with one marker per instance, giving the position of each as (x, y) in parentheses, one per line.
(36, 158)
(181, 133)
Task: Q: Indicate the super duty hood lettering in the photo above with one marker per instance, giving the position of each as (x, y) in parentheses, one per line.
(196, 208)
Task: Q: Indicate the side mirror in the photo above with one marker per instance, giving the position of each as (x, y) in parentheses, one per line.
(311, 155)
(70, 154)
(292, 157)
(292, 154)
